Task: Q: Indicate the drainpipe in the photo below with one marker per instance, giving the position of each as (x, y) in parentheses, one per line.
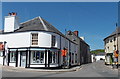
(4, 53)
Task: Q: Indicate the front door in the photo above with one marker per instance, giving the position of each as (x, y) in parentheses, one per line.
(23, 59)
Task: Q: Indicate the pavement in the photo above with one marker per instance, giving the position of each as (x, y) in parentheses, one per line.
(21, 69)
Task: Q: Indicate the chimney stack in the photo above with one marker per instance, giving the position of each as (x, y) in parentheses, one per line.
(76, 33)
(11, 22)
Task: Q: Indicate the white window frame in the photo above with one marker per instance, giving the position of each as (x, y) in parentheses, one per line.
(35, 39)
(53, 40)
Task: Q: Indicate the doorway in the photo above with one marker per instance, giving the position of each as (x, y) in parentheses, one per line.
(23, 59)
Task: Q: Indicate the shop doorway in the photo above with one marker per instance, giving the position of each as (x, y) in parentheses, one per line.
(23, 59)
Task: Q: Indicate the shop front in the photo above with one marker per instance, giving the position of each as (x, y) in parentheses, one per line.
(34, 57)
(44, 58)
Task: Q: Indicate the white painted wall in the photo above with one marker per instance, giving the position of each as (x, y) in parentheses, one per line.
(15, 40)
(44, 39)
(11, 23)
(1, 60)
(98, 57)
(12, 64)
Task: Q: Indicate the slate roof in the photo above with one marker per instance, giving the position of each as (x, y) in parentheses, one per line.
(37, 24)
(114, 33)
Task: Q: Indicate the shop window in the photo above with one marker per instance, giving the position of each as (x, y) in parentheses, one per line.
(37, 57)
(53, 57)
(34, 38)
(12, 56)
(53, 40)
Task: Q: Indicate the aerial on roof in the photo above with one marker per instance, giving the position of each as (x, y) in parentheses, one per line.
(37, 24)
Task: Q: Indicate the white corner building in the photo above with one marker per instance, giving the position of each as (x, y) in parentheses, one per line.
(34, 43)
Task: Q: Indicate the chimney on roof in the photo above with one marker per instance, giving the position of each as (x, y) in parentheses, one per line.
(76, 33)
(11, 22)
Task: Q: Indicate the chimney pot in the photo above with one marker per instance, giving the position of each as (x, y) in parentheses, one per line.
(76, 33)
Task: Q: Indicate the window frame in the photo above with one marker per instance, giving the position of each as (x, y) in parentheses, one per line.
(53, 40)
(34, 40)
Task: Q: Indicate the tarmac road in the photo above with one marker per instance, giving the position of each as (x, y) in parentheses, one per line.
(96, 69)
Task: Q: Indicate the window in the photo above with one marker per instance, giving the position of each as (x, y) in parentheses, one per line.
(12, 56)
(53, 40)
(37, 57)
(75, 58)
(34, 38)
(114, 47)
(53, 57)
(107, 41)
(72, 58)
(110, 40)
(114, 38)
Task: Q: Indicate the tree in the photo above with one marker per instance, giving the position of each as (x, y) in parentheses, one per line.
(97, 51)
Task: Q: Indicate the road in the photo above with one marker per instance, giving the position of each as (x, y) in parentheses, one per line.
(96, 69)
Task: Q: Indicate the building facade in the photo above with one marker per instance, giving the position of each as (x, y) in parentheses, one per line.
(35, 43)
(83, 50)
(112, 43)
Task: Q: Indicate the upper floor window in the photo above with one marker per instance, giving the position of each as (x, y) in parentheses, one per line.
(34, 38)
(114, 47)
(53, 40)
(114, 38)
(110, 40)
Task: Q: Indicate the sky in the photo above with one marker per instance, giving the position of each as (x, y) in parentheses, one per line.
(93, 20)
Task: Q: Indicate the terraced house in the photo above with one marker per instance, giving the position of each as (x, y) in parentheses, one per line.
(35, 43)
